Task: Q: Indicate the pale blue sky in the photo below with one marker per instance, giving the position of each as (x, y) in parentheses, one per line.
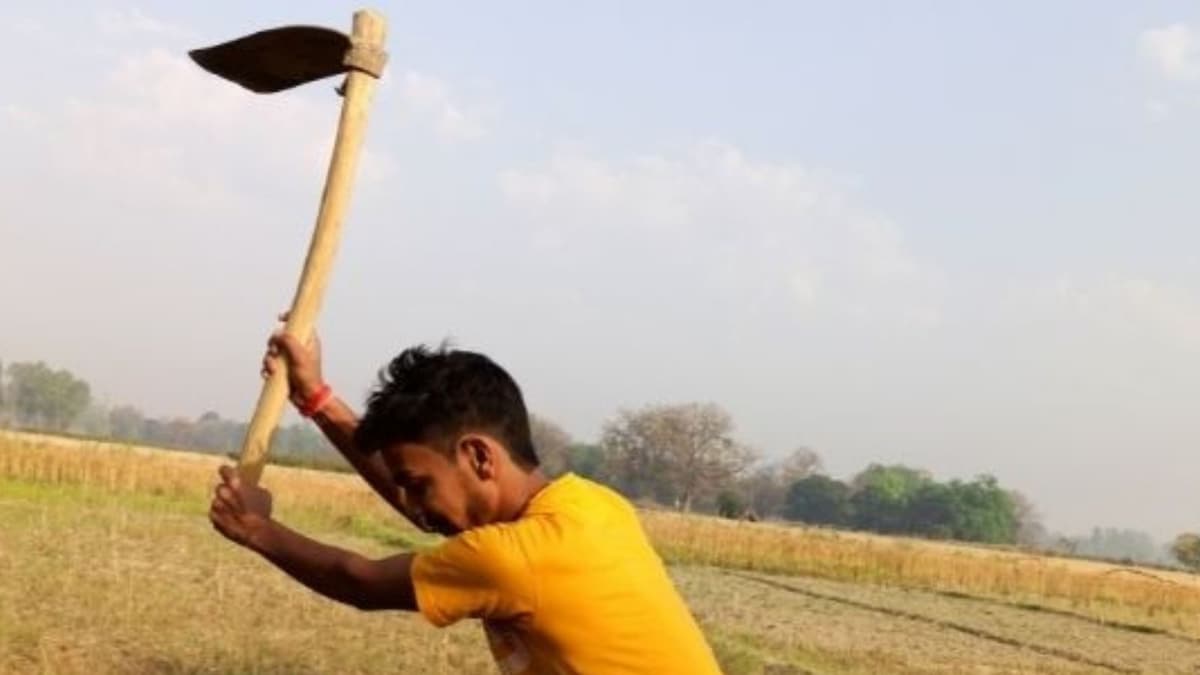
(949, 235)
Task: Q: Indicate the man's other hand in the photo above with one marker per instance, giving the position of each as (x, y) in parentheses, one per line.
(240, 512)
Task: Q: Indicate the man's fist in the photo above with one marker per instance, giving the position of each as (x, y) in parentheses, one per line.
(240, 512)
(303, 364)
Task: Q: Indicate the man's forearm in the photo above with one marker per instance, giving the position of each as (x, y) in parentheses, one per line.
(333, 572)
(338, 422)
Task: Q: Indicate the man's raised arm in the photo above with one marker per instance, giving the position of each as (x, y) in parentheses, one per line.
(335, 419)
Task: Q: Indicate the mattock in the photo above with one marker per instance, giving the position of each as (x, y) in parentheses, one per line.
(274, 60)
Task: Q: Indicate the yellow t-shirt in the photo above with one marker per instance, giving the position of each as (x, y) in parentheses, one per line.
(573, 586)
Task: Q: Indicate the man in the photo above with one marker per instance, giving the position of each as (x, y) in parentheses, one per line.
(560, 572)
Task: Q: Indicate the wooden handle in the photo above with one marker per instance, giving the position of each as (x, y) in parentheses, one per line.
(369, 30)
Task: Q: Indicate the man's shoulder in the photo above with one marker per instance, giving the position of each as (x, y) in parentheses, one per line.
(570, 511)
(572, 492)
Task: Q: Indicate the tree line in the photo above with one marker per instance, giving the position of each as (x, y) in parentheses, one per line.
(682, 456)
(685, 456)
(34, 395)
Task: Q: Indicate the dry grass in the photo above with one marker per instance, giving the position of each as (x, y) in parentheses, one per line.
(1158, 599)
(107, 565)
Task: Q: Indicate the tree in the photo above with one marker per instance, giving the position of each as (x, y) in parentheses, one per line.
(1186, 549)
(818, 500)
(1119, 544)
(764, 492)
(551, 443)
(765, 488)
(797, 464)
(935, 510)
(881, 497)
(94, 422)
(635, 462)
(127, 423)
(587, 460)
(674, 453)
(986, 512)
(1030, 530)
(46, 397)
(730, 505)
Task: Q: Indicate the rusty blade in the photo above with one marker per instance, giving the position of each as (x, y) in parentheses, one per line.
(277, 59)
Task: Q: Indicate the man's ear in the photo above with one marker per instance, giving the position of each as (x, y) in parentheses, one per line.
(481, 454)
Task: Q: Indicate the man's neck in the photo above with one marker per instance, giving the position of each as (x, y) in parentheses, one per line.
(526, 486)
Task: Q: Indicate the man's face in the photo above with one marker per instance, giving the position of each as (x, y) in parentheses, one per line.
(443, 493)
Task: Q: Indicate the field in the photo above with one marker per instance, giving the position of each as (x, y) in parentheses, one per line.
(108, 565)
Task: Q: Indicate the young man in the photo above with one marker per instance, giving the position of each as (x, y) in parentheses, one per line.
(560, 571)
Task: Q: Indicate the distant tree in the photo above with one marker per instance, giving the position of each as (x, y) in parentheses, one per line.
(765, 487)
(986, 512)
(587, 460)
(1186, 549)
(127, 423)
(935, 510)
(675, 454)
(730, 505)
(1030, 530)
(797, 464)
(818, 500)
(881, 496)
(551, 442)
(94, 422)
(299, 441)
(46, 397)
(1118, 544)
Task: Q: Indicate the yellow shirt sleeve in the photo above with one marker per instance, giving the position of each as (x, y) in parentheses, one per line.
(481, 573)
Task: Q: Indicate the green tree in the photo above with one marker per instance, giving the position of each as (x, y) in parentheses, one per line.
(1186, 549)
(934, 510)
(587, 460)
(882, 494)
(986, 513)
(46, 397)
(818, 500)
(730, 505)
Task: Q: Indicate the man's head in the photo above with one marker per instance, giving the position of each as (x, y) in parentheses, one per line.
(453, 429)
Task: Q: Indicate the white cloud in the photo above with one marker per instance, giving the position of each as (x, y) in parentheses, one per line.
(1174, 51)
(779, 235)
(160, 128)
(429, 98)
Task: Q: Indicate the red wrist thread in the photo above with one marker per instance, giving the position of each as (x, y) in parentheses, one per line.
(318, 400)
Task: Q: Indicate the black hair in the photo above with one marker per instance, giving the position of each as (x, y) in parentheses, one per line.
(432, 395)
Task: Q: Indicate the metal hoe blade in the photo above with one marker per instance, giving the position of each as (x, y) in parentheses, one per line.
(277, 59)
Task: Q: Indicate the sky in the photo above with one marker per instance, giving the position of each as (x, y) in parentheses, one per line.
(959, 236)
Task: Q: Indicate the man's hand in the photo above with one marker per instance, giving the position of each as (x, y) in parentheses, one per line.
(240, 512)
(243, 514)
(303, 363)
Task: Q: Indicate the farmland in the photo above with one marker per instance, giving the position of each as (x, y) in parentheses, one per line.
(108, 565)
